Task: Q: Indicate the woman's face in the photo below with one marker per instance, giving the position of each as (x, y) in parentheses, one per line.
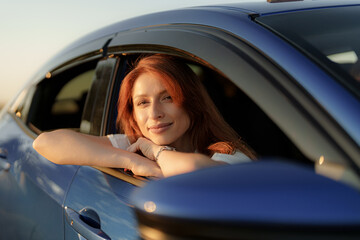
(157, 116)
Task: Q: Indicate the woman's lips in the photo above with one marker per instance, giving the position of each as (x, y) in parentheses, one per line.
(159, 128)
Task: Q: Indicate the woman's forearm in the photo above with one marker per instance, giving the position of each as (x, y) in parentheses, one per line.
(68, 147)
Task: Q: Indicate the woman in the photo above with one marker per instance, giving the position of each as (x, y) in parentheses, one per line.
(169, 125)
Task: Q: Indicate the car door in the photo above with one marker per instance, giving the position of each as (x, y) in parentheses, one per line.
(33, 189)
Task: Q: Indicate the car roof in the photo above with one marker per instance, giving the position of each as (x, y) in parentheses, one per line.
(197, 15)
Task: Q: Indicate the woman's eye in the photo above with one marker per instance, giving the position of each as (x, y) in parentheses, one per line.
(140, 103)
(167, 98)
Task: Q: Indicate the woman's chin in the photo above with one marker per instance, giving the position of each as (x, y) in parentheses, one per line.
(161, 141)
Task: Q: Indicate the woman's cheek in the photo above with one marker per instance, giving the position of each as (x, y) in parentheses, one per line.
(140, 118)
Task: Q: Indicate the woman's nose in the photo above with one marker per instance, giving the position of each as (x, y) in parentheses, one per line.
(156, 111)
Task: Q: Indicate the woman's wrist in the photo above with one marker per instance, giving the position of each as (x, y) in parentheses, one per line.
(161, 149)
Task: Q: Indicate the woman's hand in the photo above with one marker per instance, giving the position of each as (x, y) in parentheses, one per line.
(171, 162)
(147, 147)
(145, 167)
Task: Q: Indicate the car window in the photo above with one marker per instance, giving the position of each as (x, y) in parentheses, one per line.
(58, 101)
(330, 36)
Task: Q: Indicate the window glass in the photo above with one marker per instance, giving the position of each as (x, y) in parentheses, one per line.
(71, 98)
(330, 36)
(58, 102)
(76, 87)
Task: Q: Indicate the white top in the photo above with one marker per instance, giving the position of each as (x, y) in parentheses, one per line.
(122, 141)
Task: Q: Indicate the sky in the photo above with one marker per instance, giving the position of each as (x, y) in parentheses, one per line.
(31, 32)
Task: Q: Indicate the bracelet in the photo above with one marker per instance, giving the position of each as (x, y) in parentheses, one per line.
(163, 148)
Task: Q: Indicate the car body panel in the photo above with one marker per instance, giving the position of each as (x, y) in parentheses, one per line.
(108, 197)
(35, 188)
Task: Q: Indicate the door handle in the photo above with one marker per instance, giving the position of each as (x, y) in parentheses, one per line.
(4, 165)
(3, 153)
(86, 223)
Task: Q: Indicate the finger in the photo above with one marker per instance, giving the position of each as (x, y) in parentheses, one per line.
(133, 147)
(158, 175)
(148, 146)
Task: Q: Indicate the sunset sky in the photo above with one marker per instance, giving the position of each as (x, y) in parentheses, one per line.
(33, 31)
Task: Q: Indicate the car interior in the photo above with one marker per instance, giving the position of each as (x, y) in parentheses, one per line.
(249, 121)
(58, 102)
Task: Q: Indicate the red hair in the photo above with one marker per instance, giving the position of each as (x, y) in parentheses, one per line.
(208, 131)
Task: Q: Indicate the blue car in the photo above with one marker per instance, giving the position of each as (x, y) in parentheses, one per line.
(284, 74)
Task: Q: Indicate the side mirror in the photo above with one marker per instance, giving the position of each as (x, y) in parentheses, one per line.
(259, 200)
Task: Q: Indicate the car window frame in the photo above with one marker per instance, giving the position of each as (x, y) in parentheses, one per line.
(96, 105)
(164, 39)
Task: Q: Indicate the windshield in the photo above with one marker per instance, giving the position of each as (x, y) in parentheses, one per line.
(330, 36)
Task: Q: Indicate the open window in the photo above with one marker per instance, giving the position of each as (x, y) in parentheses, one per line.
(240, 111)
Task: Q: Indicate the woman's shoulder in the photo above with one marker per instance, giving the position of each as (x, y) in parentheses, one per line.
(119, 141)
(237, 157)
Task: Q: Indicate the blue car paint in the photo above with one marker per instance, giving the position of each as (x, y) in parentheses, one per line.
(106, 195)
(35, 188)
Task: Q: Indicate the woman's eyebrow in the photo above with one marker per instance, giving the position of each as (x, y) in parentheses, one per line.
(139, 96)
(145, 95)
(163, 92)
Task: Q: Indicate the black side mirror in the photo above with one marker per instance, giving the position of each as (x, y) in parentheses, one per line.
(260, 200)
